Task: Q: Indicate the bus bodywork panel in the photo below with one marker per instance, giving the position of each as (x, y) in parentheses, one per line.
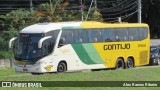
(139, 50)
(65, 53)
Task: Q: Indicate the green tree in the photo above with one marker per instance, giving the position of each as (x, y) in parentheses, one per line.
(11, 24)
(55, 12)
(16, 20)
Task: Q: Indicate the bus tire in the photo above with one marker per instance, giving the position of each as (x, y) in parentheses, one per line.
(129, 63)
(120, 64)
(62, 67)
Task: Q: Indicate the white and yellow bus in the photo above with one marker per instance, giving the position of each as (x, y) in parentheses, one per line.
(74, 46)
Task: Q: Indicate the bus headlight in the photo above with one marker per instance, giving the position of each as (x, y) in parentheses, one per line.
(38, 63)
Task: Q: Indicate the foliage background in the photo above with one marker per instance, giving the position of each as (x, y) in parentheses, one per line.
(16, 20)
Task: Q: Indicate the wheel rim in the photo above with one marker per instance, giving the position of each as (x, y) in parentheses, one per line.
(129, 63)
(61, 68)
(120, 64)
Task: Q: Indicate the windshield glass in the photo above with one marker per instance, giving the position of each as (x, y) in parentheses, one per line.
(27, 47)
(154, 49)
(27, 51)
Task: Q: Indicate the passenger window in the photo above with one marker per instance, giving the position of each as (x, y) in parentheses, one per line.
(66, 37)
(46, 47)
(107, 35)
(81, 36)
(54, 35)
(143, 33)
(121, 34)
(95, 35)
(117, 34)
(133, 34)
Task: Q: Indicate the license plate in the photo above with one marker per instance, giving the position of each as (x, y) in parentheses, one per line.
(25, 69)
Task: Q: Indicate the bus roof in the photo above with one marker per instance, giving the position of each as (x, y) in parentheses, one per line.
(46, 27)
(111, 25)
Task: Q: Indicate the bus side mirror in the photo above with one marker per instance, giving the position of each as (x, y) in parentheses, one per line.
(61, 42)
(11, 40)
(42, 40)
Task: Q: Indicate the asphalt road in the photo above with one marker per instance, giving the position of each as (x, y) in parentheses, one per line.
(155, 42)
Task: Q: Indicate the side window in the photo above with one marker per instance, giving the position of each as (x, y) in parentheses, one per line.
(95, 35)
(133, 34)
(124, 34)
(81, 36)
(66, 37)
(121, 34)
(47, 46)
(117, 34)
(143, 33)
(55, 35)
(108, 35)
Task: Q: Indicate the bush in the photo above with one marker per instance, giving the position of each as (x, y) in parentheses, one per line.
(2, 44)
(5, 54)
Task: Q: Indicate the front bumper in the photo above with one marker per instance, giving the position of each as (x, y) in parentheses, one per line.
(34, 68)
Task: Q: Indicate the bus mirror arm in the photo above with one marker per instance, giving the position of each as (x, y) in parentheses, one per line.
(11, 40)
(42, 40)
(61, 42)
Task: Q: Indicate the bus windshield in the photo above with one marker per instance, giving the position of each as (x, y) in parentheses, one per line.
(27, 47)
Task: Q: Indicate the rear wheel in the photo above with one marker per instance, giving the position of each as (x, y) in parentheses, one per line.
(120, 64)
(129, 63)
(62, 67)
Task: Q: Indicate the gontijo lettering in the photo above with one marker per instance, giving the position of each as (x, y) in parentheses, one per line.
(116, 46)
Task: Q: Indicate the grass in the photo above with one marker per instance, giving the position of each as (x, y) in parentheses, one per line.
(141, 74)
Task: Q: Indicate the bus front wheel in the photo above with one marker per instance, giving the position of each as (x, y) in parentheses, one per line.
(62, 67)
(120, 63)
